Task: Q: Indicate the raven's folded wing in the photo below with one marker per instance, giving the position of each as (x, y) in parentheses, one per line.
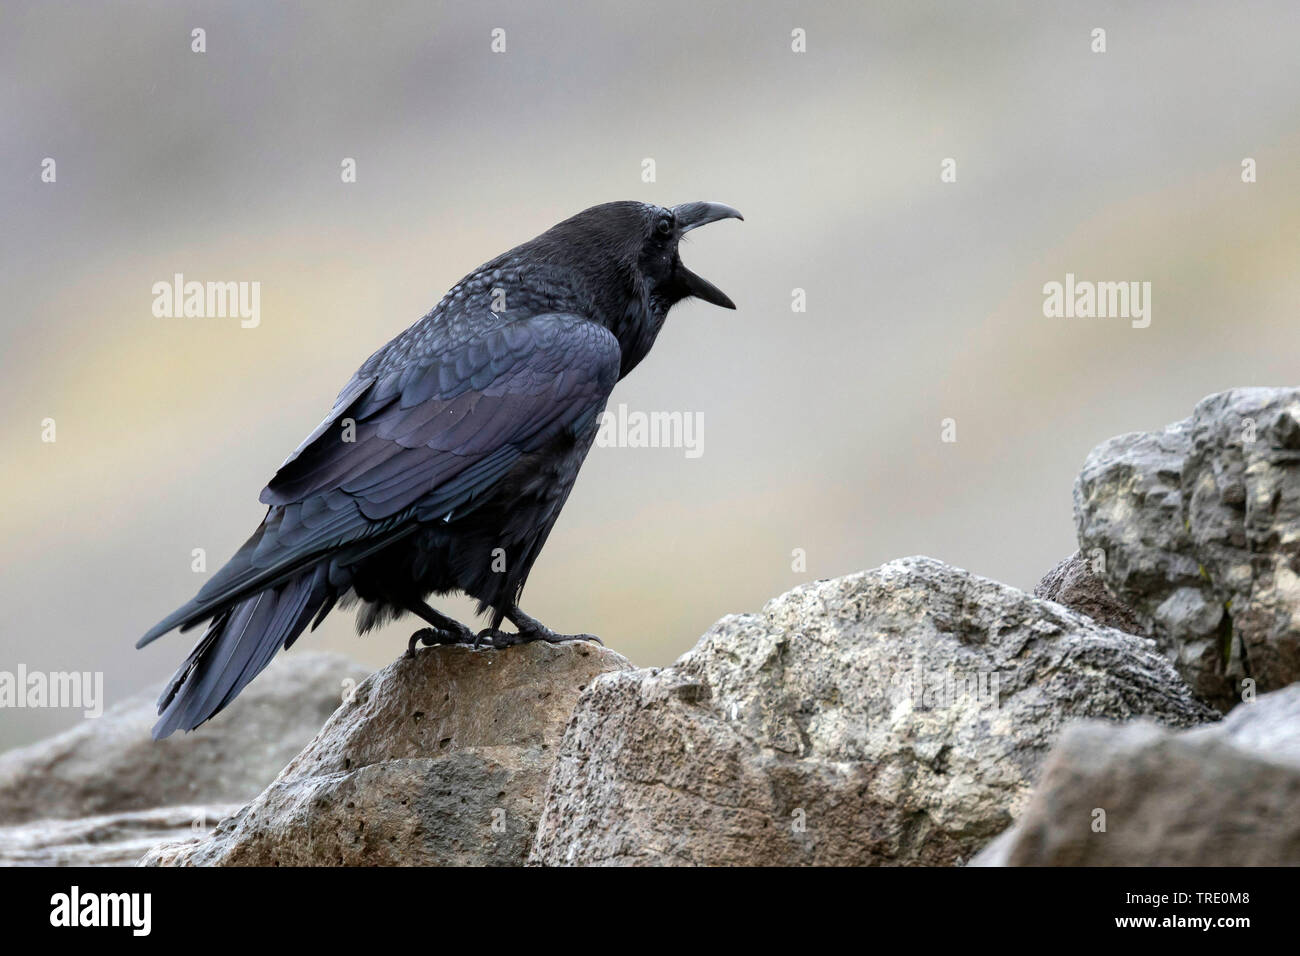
(420, 439)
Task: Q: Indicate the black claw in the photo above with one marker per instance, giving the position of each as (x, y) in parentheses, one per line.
(531, 629)
(496, 638)
(429, 636)
(551, 637)
(416, 638)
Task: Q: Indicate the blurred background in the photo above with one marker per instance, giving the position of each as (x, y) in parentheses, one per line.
(822, 429)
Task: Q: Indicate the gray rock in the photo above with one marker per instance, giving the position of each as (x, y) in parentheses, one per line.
(1223, 795)
(440, 759)
(1073, 584)
(896, 716)
(115, 839)
(1198, 529)
(111, 765)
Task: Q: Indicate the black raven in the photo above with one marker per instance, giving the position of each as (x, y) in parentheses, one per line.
(447, 458)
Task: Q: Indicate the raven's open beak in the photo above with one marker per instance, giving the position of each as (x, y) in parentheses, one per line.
(688, 216)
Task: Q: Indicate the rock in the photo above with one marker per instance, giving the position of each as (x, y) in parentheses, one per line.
(110, 764)
(896, 716)
(997, 851)
(1073, 584)
(1197, 529)
(440, 759)
(1226, 795)
(116, 839)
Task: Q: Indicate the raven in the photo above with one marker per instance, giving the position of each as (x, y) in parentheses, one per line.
(445, 461)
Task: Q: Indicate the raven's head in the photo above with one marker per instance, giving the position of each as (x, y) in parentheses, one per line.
(659, 260)
(628, 252)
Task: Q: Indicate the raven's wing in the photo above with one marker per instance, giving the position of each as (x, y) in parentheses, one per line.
(417, 439)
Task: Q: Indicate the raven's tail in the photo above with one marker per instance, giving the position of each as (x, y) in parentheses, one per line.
(239, 642)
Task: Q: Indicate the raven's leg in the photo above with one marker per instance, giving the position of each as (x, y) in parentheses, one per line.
(530, 629)
(442, 629)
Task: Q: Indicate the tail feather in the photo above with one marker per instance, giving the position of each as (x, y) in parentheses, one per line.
(246, 574)
(239, 642)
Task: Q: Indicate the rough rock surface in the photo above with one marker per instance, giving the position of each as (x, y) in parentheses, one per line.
(115, 839)
(440, 759)
(1224, 795)
(896, 716)
(1073, 584)
(1198, 528)
(111, 764)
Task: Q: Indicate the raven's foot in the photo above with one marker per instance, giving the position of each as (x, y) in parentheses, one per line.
(494, 637)
(429, 636)
(532, 629)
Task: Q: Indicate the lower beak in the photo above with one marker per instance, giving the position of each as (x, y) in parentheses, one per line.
(689, 216)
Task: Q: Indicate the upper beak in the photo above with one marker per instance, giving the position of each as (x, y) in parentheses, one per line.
(688, 216)
(692, 214)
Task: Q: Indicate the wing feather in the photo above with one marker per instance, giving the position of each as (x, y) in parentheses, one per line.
(430, 435)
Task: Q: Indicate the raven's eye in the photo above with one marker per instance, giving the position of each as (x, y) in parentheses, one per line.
(664, 226)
